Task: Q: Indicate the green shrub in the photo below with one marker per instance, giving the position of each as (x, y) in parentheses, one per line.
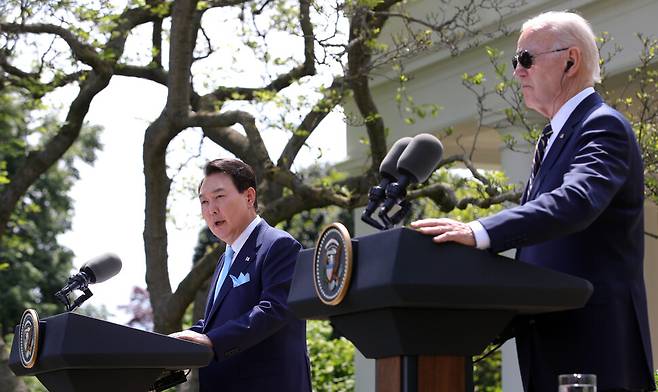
(332, 359)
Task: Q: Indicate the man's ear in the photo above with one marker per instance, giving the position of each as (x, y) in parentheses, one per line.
(569, 65)
(575, 58)
(251, 196)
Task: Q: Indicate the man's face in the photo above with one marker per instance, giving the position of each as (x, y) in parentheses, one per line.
(226, 211)
(542, 83)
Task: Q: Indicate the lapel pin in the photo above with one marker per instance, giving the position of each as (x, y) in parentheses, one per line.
(562, 136)
(247, 258)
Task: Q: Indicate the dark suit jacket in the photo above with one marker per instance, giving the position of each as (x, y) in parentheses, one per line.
(584, 216)
(259, 345)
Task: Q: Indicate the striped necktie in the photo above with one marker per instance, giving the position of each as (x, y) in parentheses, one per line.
(540, 150)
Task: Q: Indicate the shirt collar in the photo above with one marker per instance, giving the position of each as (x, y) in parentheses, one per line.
(562, 115)
(242, 238)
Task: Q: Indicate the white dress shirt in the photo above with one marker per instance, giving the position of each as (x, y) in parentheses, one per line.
(244, 236)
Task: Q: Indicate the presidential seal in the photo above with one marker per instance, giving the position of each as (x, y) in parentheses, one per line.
(332, 264)
(29, 338)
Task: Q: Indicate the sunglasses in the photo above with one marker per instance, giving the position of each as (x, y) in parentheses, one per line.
(526, 59)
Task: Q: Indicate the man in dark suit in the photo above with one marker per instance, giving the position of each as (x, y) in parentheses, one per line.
(258, 344)
(581, 213)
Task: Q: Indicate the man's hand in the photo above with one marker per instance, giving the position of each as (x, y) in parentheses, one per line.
(445, 230)
(193, 337)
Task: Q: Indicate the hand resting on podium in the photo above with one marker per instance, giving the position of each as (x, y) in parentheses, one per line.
(193, 337)
(446, 230)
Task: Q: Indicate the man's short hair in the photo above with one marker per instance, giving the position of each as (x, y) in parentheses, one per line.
(242, 174)
(571, 29)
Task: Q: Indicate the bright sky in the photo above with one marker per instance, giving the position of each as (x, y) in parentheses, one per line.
(109, 197)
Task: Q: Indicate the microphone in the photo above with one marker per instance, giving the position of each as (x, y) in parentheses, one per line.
(389, 173)
(101, 268)
(96, 270)
(415, 165)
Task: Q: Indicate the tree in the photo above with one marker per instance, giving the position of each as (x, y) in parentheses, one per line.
(84, 44)
(33, 265)
(331, 51)
(638, 101)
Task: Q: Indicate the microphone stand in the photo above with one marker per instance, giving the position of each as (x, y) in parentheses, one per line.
(395, 195)
(168, 379)
(79, 281)
(371, 221)
(390, 221)
(375, 196)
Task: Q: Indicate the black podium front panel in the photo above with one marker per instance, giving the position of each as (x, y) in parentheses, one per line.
(79, 353)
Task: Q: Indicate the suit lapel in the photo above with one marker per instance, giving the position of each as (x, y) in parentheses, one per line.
(213, 283)
(246, 256)
(551, 158)
(568, 129)
(524, 195)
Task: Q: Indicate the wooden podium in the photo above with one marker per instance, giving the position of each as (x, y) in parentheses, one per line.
(423, 310)
(79, 353)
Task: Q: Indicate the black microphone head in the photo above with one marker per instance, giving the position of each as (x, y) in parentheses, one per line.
(421, 157)
(102, 268)
(389, 166)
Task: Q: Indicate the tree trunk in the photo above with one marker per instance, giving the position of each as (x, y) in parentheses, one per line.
(192, 384)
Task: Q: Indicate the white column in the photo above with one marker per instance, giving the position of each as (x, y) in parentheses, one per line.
(364, 368)
(364, 373)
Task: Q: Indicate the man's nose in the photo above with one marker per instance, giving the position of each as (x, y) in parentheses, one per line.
(520, 71)
(213, 209)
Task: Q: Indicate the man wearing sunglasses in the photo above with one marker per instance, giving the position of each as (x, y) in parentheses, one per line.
(581, 213)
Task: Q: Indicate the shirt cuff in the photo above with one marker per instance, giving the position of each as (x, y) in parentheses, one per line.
(482, 240)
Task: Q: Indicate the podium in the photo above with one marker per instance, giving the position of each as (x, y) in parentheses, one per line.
(423, 309)
(80, 353)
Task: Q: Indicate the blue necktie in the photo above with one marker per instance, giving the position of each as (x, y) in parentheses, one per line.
(540, 150)
(228, 260)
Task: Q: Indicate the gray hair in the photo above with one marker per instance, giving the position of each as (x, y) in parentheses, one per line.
(571, 29)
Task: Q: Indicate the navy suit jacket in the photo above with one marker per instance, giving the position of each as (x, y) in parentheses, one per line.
(258, 344)
(584, 216)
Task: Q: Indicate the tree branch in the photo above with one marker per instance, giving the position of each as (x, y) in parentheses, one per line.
(10, 69)
(157, 75)
(309, 36)
(83, 52)
(37, 162)
(307, 68)
(281, 82)
(156, 40)
(364, 27)
(225, 3)
(188, 287)
(255, 153)
(181, 51)
(446, 199)
(29, 81)
(332, 97)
